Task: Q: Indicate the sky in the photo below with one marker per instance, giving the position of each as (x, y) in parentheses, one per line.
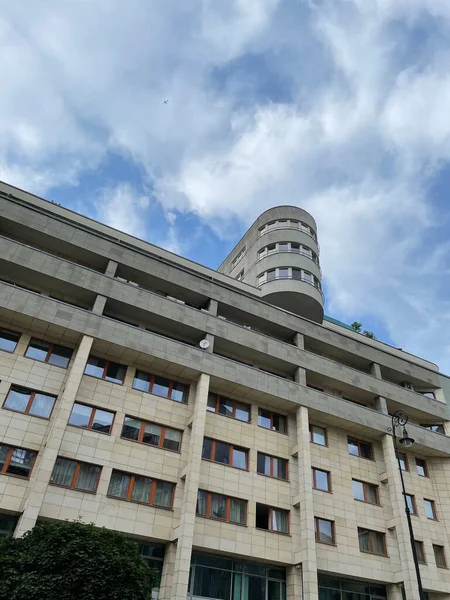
(341, 107)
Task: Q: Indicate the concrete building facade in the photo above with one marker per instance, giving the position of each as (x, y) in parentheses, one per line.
(214, 417)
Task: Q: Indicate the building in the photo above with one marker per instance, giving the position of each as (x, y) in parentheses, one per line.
(214, 416)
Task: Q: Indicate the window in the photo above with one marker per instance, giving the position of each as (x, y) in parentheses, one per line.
(372, 541)
(59, 356)
(272, 519)
(75, 475)
(324, 530)
(430, 509)
(151, 433)
(437, 428)
(366, 492)
(29, 402)
(317, 435)
(222, 508)
(360, 448)
(334, 588)
(420, 552)
(137, 488)
(240, 275)
(272, 466)
(439, 556)
(411, 504)
(403, 461)
(16, 461)
(421, 467)
(321, 480)
(224, 453)
(105, 369)
(7, 525)
(8, 340)
(160, 386)
(272, 421)
(229, 408)
(238, 257)
(90, 417)
(153, 554)
(429, 395)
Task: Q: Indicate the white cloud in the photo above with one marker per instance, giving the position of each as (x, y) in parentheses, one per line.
(122, 207)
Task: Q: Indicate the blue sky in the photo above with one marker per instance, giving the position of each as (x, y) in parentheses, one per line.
(338, 106)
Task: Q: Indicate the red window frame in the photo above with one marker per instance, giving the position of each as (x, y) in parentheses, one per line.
(151, 502)
(105, 369)
(234, 402)
(286, 462)
(30, 402)
(232, 447)
(171, 384)
(91, 418)
(271, 510)
(314, 479)
(272, 414)
(317, 531)
(311, 435)
(227, 508)
(76, 473)
(358, 443)
(433, 508)
(51, 346)
(4, 469)
(365, 484)
(162, 436)
(371, 533)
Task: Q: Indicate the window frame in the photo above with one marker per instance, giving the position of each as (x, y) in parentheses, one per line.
(3, 470)
(314, 480)
(317, 531)
(152, 384)
(311, 435)
(51, 347)
(92, 417)
(428, 427)
(76, 473)
(441, 548)
(358, 443)
(425, 467)
(228, 500)
(421, 545)
(365, 484)
(232, 447)
(30, 402)
(433, 509)
(234, 402)
(155, 481)
(105, 369)
(271, 511)
(372, 532)
(399, 458)
(272, 414)
(271, 457)
(142, 431)
(412, 497)
(11, 332)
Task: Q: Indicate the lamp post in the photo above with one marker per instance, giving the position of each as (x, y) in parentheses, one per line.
(399, 419)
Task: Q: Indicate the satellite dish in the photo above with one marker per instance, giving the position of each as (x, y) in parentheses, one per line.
(204, 344)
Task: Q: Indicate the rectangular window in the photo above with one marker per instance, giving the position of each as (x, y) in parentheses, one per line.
(272, 519)
(7, 525)
(437, 428)
(360, 448)
(160, 386)
(90, 417)
(324, 530)
(372, 541)
(411, 503)
(321, 480)
(317, 435)
(272, 421)
(105, 369)
(222, 508)
(75, 475)
(403, 461)
(421, 467)
(59, 356)
(16, 461)
(151, 433)
(8, 340)
(228, 407)
(420, 552)
(272, 466)
(439, 556)
(224, 453)
(430, 509)
(137, 488)
(29, 402)
(366, 492)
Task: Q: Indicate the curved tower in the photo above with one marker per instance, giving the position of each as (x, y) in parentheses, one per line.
(279, 254)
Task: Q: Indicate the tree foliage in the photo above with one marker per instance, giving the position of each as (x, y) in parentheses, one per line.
(73, 561)
(356, 325)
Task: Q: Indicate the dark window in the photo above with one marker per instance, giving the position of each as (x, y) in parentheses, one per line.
(411, 503)
(422, 467)
(272, 466)
(8, 340)
(430, 509)
(334, 588)
(366, 492)
(151, 433)
(272, 519)
(30, 402)
(228, 407)
(371, 541)
(321, 480)
(137, 488)
(403, 461)
(90, 417)
(437, 428)
(222, 508)
(360, 448)
(420, 552)
(272, 421)
(439, 556)
(16, 461)
(317, 435)
(7, 525)
(59, 356)
(75, 475)
(324, 530)
(160, 386)
(224, 453)
(153, 554)
(105, 369)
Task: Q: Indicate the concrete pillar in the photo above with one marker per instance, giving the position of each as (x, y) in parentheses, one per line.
(99, 305)
(304, 541)
(294, 586)
(210, 338)
(375, 370)
(111, 268)
(299, 341)
(394, 591)
(401, 524)
(168, 571)
(300, 376)
(381, 405)
(43, 468)
(213, 307)
(187, 517)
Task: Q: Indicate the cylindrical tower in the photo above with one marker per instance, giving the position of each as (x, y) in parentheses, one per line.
(279, 254)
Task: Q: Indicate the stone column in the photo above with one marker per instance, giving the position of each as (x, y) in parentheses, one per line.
(305, 542)
(210, 338)
(187, 516)
(99, 305)
(394, 591)
(401, 524)
(294, 586)
(375, 370)
(168, 571)
(111, 268)
(43, 468)
(300, 376)
(381, 405)
(212, 307)
(299, 341)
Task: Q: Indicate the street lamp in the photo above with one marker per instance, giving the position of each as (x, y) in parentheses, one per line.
(399, 419)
